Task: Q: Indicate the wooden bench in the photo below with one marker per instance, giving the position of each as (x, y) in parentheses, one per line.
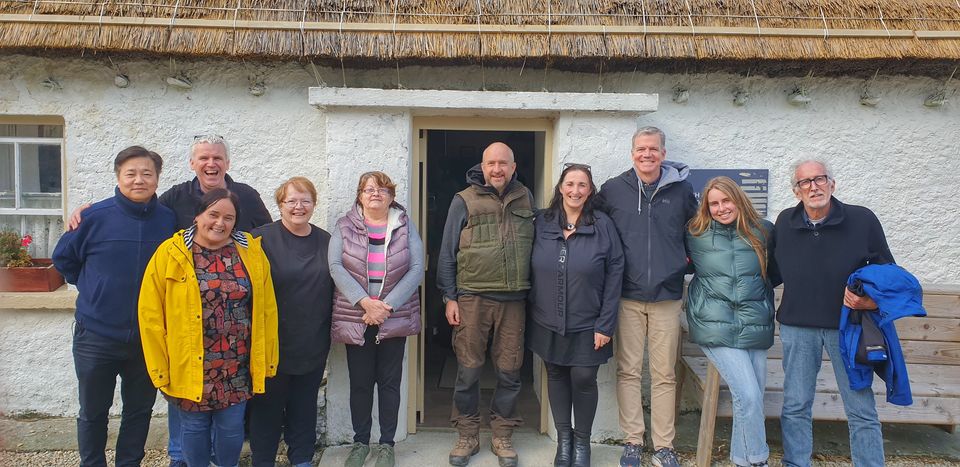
(932, 349)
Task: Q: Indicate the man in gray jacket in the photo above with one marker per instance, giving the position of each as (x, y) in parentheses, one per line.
(650, 204)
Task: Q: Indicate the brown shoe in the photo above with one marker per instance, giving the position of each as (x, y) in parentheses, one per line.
(467, 445)
(503, 448)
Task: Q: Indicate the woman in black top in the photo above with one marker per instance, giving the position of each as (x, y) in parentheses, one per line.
(577, 270)
(297, 251)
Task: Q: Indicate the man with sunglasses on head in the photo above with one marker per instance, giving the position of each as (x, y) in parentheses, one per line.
(209, 160)
(650, 204)
(818, 244)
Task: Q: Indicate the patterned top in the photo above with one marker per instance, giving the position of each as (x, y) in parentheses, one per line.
(376, 258)
(225, 296)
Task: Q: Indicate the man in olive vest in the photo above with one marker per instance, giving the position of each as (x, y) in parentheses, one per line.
(484, 274)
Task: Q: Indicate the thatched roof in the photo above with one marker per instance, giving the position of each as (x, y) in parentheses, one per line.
(619, 33)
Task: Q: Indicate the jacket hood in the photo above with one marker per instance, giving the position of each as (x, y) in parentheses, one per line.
(670, 172)
(673, 172)
(475, 177)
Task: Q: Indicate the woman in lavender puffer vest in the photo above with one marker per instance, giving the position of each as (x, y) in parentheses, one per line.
(376, 260)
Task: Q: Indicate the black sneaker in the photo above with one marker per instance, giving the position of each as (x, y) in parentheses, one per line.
(665, 457)
(632, 455)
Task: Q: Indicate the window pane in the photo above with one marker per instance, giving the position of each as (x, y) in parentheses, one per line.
(44, 230)
(40, 176)
(7, 186)
(31, 131)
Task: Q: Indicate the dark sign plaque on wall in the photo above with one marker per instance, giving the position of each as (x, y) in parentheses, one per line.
(753, 182)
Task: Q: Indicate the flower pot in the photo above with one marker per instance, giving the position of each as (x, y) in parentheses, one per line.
(42, 277)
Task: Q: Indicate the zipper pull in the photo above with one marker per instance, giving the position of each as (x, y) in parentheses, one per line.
(378, 339)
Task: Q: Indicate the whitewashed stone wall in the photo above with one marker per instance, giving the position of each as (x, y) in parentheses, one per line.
(900, 159)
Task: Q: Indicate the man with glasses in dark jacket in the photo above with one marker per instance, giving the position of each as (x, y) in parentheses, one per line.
(818, 244)
(650, 204)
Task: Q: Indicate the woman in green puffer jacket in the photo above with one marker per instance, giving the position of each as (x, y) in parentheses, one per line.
(730, 306)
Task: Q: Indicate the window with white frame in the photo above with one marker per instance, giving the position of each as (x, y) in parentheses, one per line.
(31, 180)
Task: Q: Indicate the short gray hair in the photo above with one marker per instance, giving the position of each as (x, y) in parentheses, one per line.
(650, 130)
(796, 165)
(209, 139)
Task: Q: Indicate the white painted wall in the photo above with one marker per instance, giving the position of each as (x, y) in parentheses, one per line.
(272, 137)
(900, 159)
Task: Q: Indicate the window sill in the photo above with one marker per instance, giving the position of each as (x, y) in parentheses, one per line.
(60, 299)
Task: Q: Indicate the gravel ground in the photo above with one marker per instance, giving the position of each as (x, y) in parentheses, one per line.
(159, 459)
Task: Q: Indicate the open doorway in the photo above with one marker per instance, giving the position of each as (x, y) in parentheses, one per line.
(448, 155)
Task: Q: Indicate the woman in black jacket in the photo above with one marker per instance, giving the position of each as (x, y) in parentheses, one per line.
(577, 270)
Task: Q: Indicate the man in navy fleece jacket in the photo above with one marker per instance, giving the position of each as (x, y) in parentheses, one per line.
(105, 257)
(818, 244)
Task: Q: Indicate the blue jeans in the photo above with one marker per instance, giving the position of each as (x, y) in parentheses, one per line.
(174, 449)
(173, 428)
(745, 372)
(98, 361)
(196, 429)
(802, 353)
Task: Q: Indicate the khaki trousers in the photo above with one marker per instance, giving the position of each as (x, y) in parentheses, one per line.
(659, 324)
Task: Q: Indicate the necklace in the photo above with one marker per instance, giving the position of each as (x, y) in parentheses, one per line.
(569, 226)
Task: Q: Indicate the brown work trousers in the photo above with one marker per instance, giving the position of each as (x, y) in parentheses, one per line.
(480, 319)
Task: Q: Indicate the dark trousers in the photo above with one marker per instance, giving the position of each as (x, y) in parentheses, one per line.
(380, 364)
(288, 406)
(573, 387)
(98, 361)
(481, 318)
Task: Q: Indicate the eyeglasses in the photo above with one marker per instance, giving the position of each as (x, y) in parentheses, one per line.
(574, 165)
(372, 191)
(208, 136)
(819, 180)
(292, 203)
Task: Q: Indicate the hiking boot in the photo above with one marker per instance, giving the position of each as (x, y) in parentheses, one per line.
(358, 455)
(632, 455)
(581, 450)
(467, 445)
(564, 449)
(385, 457)
(502, 447)
(665, 457)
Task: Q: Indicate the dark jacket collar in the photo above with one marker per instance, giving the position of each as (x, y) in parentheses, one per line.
(798, 218)
(195, 184)
(132, 208)
(549, 228)
(670, 172)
